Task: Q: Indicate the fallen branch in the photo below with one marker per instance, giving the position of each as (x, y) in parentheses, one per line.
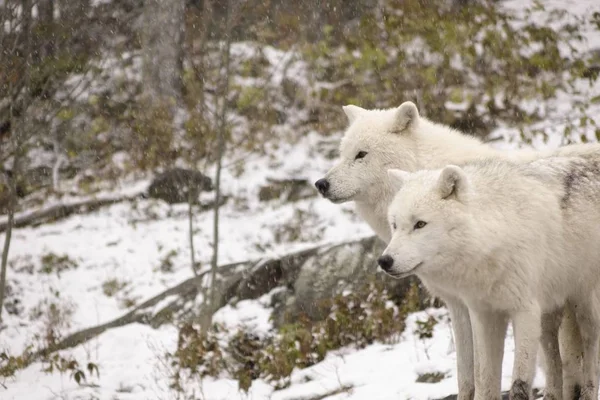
(239, 281)
(140, 314)
(60, 211)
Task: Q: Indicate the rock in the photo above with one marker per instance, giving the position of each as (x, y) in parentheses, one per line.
(286, 190)
(331, 271)
(174, 185)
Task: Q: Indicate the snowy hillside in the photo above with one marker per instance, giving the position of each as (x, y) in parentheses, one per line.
(91, 268)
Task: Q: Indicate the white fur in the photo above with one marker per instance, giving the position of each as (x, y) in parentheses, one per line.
(392, 142)
(512, 242)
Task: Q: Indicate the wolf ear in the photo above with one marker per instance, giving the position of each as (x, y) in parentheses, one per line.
(397, 178)
(453, 183)
(407, 115)
(352, 112)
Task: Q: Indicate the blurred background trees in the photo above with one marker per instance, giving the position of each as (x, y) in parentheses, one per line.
(139, 78)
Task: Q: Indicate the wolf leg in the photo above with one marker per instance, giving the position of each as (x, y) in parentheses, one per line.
(489, 330)
(527, 325)
(463, 337)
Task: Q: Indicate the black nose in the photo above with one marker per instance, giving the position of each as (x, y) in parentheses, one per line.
(322, 186)
(385, 262)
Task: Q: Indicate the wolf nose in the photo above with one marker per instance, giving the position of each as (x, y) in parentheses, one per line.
(385, 262)
(322, 186)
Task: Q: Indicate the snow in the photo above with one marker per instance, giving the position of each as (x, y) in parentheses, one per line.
(127, 358)
(126, 243)
(253, 315)
(132, 366)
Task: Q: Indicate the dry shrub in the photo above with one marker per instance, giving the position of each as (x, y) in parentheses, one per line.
(355, 319)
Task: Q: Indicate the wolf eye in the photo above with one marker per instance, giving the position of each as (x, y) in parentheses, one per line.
(393, 225)
(360, 154)
(419, 225)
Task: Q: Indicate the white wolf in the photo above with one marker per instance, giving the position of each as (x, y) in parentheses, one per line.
(511, 241)
(378, 140)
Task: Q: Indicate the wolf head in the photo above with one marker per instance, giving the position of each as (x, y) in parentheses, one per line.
(429, 220)
(375, 141)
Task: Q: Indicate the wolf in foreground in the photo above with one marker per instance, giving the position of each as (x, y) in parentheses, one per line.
(512, 242)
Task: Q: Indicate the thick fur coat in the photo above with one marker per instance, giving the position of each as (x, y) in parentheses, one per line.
(513, 242)
(378, 140)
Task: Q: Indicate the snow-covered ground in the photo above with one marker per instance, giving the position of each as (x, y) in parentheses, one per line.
(126, 244)
(132, 366)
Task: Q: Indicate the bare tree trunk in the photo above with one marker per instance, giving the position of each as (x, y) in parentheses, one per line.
(162, 42)
(191, 229)
(46, 12)
(200, 67)
(222, 132)
(26, 4)
(220, 152)
(10, 183)
(16, 148)
(17, 141)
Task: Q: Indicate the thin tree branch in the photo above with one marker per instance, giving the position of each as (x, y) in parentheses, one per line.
(10, 181)
(220, 151)
(16, 138)
(191, 229)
